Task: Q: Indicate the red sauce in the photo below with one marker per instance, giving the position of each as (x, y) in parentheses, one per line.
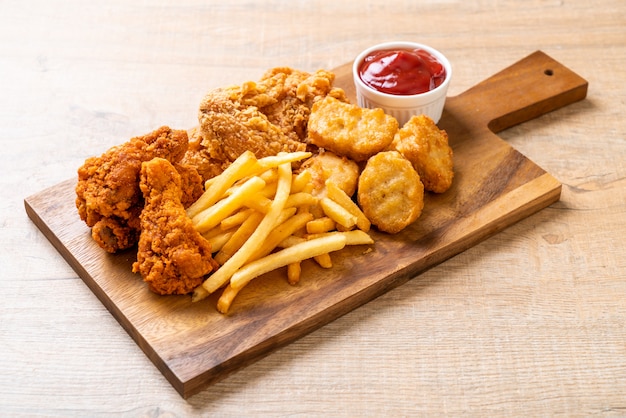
(402, 71)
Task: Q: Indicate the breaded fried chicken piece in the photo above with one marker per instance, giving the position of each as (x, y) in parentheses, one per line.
(108, 198)
(295, 92)
(228, 127)
(349, 130)
(172, 257)
(199, 156)
(390, 192)
(265, 117)
(426, 146)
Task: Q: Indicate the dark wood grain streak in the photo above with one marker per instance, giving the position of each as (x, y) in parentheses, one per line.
(495, 186)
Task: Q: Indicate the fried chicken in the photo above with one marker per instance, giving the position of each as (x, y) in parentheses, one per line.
(295, 93)
(172, 256)
(108, 197)
(265, 117)
(426, 146)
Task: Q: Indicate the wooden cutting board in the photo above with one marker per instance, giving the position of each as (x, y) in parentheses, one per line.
(495, 186)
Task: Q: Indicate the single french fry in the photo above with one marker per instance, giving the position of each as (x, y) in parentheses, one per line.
(324, 260)
(338, 213)
(237, 170)
(199, 293)
(294, 270)
(291, 241)
(269, 190)
(282, 158)
(319, 225)
(337, 194)
(300, 181)
(301, 199)
(353, 237)
(235, 219)
(259, 202)
(226, 299)
(285, 214)
(209, 182)
(238, 238)
(284, 257)
(281, 232)
(358, 237)
(218, 241)
(222, 275)
(212, 232)
(270, 176)
(213, 215)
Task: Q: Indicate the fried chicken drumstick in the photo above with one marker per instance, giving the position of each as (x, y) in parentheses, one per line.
(172, 257)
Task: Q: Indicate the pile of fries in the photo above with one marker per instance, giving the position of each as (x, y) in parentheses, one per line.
(259, 216)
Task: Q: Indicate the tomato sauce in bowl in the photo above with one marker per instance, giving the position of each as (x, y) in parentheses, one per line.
(402, 71)
(402, 78)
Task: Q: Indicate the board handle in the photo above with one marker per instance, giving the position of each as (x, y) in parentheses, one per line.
(531, 87)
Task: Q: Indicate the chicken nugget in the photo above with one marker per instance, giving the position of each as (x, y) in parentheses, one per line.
(390, 192)
(426, 146)
(328, 166)
(349, 130)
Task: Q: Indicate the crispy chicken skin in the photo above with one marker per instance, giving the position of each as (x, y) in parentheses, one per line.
(295, 93)
(349, 130)
(426, 146)
(390, 192)
(108, 197)
(172, 256)
(266, 117)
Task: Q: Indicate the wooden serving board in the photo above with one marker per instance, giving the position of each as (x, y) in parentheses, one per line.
(495, 186)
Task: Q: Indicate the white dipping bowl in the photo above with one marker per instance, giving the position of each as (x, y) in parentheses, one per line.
(402, 107)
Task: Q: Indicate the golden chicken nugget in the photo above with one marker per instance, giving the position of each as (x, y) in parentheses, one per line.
(390, 192)
(348, 130)
(426, 147)
(328, 166)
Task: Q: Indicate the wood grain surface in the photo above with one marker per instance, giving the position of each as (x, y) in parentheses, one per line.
(494, 187)
(527, 322)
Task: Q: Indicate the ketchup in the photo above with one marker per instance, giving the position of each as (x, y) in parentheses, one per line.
(402, 71)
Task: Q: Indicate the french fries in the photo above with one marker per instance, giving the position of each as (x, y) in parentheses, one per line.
(218, 212)
(225, 272)
(218, 185)
(339, 196)
(261, 217)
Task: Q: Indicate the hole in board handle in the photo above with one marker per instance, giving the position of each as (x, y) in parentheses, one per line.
(549, 72)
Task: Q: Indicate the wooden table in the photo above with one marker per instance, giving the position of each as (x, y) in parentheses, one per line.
(528, 322)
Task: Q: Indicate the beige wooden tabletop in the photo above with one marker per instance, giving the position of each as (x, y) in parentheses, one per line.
(529, 322)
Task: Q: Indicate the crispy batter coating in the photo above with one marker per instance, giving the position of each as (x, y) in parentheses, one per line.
(426, 146)
(295, 92)
(328, 166)
(349, 130)
(265, 117)
(198, 156)
(108, 198)
(172, 256)
(191, 183)
(390, 192)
